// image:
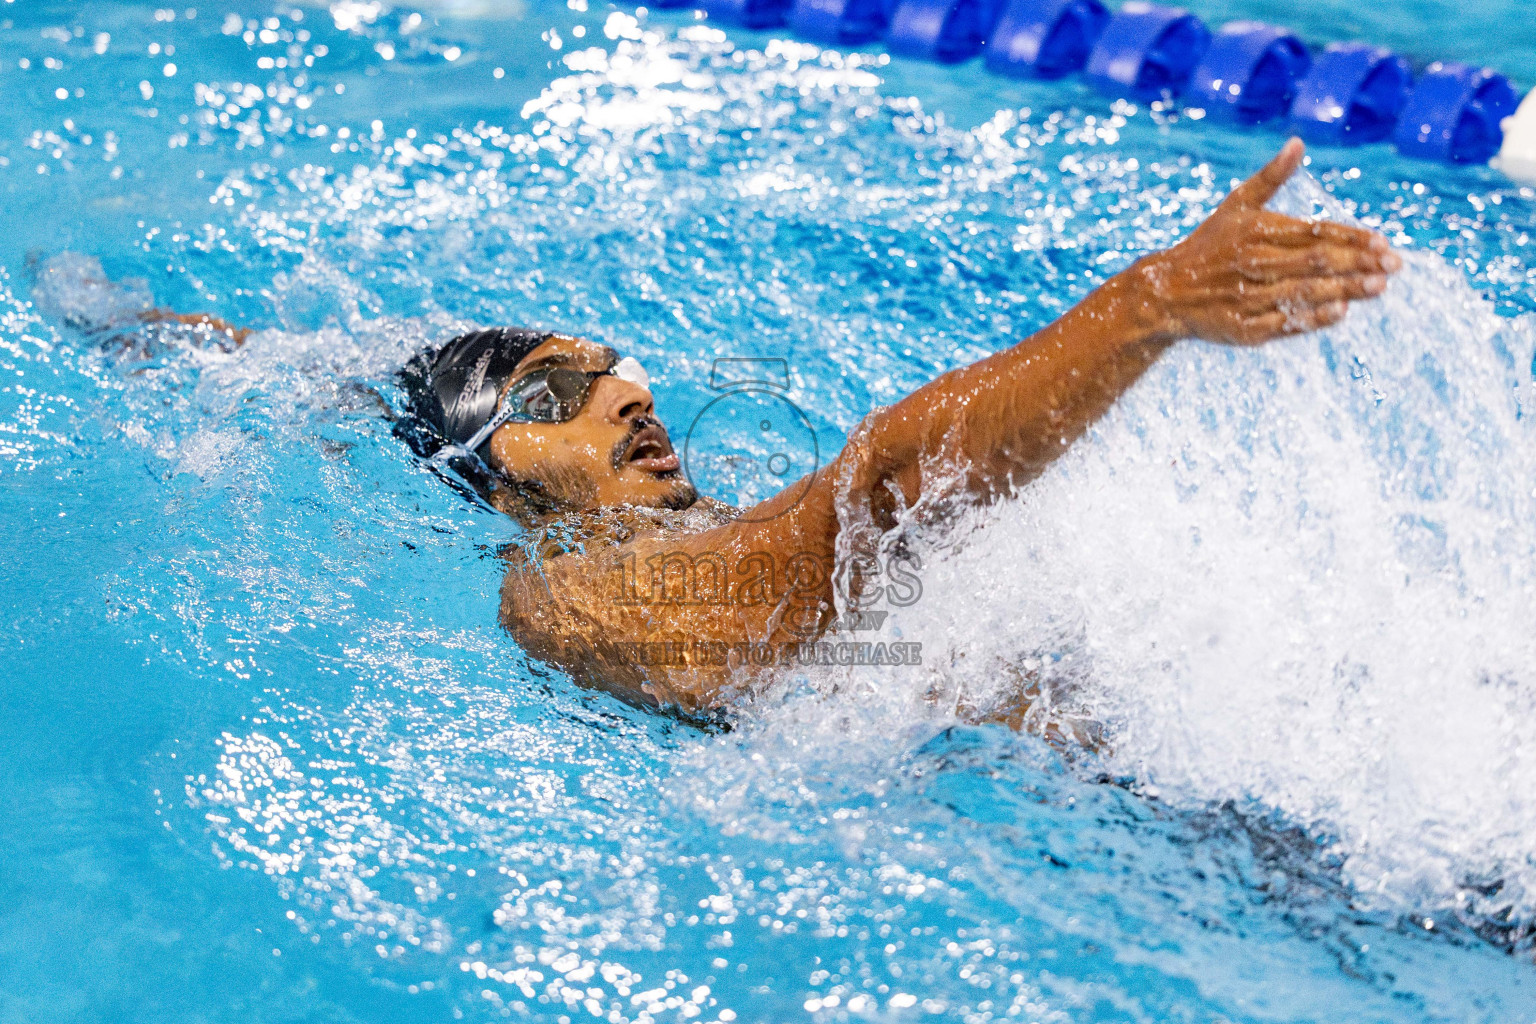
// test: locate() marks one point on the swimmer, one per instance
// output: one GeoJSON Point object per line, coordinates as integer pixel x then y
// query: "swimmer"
{"type": "Point", "coordinates": [640, 586]}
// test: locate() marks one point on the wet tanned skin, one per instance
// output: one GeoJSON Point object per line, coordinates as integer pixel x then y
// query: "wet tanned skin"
{"type": "Point", "coordinates": [1244, 277]}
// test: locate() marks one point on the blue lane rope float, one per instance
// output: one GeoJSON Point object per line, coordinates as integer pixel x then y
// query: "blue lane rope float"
{"type": "Point", "coordinates": [947, 31]}
{"type": "Point", "coordinates": [1147, 52]}
{"type": "Point", "coordinates": [1353, 95]}
{"type": "Point", "coordinates": [1248, 72]}
{"type": "Point", "coordinates": [748, 13]}
{"type": "Point", "coordinates": [841, 21]}
{"type": "Point", "coordinates": [1045, 38]}
{"type": "Point", "coordinates": [1454, 114]}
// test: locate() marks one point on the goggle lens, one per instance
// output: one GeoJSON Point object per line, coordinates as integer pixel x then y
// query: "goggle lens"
{"type": "Point", "coordinates": [568, 386]}
{"type": "Point", "coordinates": [557, 395]}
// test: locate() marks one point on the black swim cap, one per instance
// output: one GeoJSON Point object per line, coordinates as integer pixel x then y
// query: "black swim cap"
{"type": "Point", "coordinates": [451, 391]}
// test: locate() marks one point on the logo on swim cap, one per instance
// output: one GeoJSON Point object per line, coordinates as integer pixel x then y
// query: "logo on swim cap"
{"type": "Point", "coordinates": [473, 385]}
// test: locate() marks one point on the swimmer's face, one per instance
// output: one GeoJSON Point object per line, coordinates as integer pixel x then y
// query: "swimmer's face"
{"type": "Point", "coordinates": [612, 452]}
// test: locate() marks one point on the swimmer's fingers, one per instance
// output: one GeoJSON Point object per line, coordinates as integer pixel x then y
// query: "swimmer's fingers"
{"type": "Point", "coordinates": [1276, 263]}
{"type": "Point", "coordinates": [1247, 298]}
{"type": "Point", "coordinates": [1255, 330]}
{"type": "Point", "coordinates": [1261, 188]}
{"type": "Point", "coordinates": [1278, 229]}
{"type": "Point", "coordinates": [1309, 292]}
{"type": "Point", "coordinates": [1248, 274]}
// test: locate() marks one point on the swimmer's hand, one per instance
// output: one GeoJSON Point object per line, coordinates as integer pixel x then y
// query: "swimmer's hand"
{"type": "Point", "coordinates": [1248, 275]}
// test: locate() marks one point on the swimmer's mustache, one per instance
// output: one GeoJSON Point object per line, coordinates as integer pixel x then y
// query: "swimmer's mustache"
{"type": "Point", "coordinates": [620, 454]}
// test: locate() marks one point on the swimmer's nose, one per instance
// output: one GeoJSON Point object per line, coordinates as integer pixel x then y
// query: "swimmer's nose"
{"type": "Point", "coordinates": [621, 401]}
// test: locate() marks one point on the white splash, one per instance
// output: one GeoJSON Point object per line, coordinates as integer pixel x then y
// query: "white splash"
{"type": "Point", "coordinates": [75, 289]}
{"type": "Point", "coordinates": [1302, 577]}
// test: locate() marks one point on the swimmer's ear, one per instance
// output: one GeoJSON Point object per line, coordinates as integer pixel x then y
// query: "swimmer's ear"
{"type": "Point", "coordinates": [1261, 188]}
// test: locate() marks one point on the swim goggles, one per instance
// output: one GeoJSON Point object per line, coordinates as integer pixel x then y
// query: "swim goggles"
{"type": "Point", "coordinates": [553, 394]}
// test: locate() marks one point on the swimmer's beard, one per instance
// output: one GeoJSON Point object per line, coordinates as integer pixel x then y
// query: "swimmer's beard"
{"type": "Point", "coordinates": [685, 495]}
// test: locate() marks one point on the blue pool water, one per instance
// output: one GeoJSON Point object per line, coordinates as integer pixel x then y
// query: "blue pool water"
{"type": "Point", "coordinates": [266, 755]}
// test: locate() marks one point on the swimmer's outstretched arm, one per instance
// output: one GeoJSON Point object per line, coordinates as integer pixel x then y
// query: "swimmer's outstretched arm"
{"type": "Point", "coordinates": [1243, 277]}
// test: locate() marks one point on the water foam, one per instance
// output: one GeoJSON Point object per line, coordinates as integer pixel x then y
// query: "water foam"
{"type": "Point", "coordinates": [1301, 579]}
{"type": "Point", "coordinates": [1295, 577]}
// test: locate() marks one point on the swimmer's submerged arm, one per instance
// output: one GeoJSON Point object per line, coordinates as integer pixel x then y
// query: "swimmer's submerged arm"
{"type": "Point", "coordinates": [1243, 277]}
{"type": "Point", "coordinates": [206, 321]}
